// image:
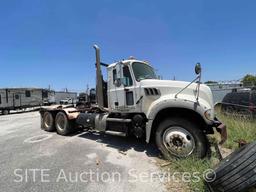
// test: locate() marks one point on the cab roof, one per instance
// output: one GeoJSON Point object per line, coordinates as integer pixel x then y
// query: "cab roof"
{"type": "Point", "coordinates": [127, 61]}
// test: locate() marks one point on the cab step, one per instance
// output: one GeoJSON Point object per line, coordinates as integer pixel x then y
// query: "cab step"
{"type": "Point", "coordinates": [119, 120]}
{"type": "Point", "coordinates": [116, 133]}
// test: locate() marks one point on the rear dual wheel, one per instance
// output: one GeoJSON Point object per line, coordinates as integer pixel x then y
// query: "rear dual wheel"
{"type": "Point", "coordinates": [60, 123]}
{"type": "Point", "coordinates": [48, 122]}
{"type": "Point", "coordinates": [63, 125]}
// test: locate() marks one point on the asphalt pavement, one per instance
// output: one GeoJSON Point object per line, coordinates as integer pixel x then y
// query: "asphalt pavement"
{"type": "Point", "coordinates": [34, 160]}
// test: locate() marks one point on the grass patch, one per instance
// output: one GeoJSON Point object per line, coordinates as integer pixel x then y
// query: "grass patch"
{"type": "Point", "coordinates": [238, 128]}
{"type": "Point", "coordinates": [195, 167]}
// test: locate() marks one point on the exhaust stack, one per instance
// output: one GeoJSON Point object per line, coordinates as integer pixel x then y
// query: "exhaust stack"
{"type": "Point", "coordinates": [99, 79]}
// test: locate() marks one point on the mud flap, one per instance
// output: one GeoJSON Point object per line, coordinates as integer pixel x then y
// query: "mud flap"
{"type": "Point", "coordinates": [222, 129]}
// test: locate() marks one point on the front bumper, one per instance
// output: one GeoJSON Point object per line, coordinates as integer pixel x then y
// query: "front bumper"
{"type": "Point", "coordinates": [221, 128]}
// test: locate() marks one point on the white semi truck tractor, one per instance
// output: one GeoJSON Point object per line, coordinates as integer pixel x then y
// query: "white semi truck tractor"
{"type": "Point", "coordinates": [176, 115]}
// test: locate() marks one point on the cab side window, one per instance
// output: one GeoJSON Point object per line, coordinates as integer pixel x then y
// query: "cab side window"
{"type": "Point", "coordinates": [127, 77]}
{"type": "Point", "coordinates": [114, 76]}
{"type": "Point", "coordinates": [28, 93]}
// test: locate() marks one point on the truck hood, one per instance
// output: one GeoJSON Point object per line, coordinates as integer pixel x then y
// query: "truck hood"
{"type": "Point", "coordinates": [171, 88]}
{"type": "Point", "coordinates": [165, 83]}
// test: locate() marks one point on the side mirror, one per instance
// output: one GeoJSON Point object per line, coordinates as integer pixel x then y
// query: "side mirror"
{"type": "Point", "coordinates": [198, 68]}
{"type": "Point", "coordinates": [118, 82]}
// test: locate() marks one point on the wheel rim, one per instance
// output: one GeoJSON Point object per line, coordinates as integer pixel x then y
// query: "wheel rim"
{"type": "Point", "coordinates": [47, 120]}
{"type": "Point", "coordinates": [178, 141]}
{"type": "Point", "coordinates": [5, 112]}
{"type": "Point", "coordinates": [61, 121]}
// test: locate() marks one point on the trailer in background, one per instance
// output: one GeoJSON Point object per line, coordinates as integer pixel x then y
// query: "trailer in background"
{"type": "Point", "coordinates": [22, 98]}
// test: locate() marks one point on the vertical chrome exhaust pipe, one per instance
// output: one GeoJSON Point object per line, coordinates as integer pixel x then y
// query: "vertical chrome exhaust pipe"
{"type": "Point", "coordinates": [99, 78]}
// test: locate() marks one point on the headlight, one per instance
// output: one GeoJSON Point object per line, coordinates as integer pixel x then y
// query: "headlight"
{"type": "Point", "coordinates": [208, 114]}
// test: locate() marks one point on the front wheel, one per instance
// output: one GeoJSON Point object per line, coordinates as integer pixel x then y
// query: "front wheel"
{"type": "Point", "coordinates": [179, 137]}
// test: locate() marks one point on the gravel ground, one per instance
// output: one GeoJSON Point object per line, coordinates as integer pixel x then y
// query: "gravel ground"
{"type": "Point", "coordinates": [34, 160]}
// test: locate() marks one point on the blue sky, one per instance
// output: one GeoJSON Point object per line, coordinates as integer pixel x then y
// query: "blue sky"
{"type": "Point", "coordinates": [46, 42]}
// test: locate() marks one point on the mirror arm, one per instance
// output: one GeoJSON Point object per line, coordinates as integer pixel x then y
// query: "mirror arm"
{"type": "Point", "coordinates": [198, 77]}
{"type": "Point", "coordinates": [198, 71]}
{"type": "Point", "coordinates": [198, 85]}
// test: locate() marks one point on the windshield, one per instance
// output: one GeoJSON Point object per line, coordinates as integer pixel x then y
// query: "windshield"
{"type": "Point", "coordinates": [143, 71]}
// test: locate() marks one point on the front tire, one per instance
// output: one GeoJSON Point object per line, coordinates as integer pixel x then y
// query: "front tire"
{"type": "Point", "coordinates": [63, 124]}
{"type": "Point", "coordinates": [179, 137]}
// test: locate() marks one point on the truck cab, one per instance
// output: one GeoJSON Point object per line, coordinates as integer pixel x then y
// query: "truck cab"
{"type": "Point", "coordinates": [176, 115]}
{"type": "Point", "coordinates": [124, 85]}
{"type": "Point", "coordinates": [133, 87]}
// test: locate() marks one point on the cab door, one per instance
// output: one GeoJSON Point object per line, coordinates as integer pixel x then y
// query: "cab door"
{"type": "Point", "coordinates": [16, 99]}
{"type": "Point", "coordinates": [121, 89]}
{"type": "Point", "coordinates": [129, 88]}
